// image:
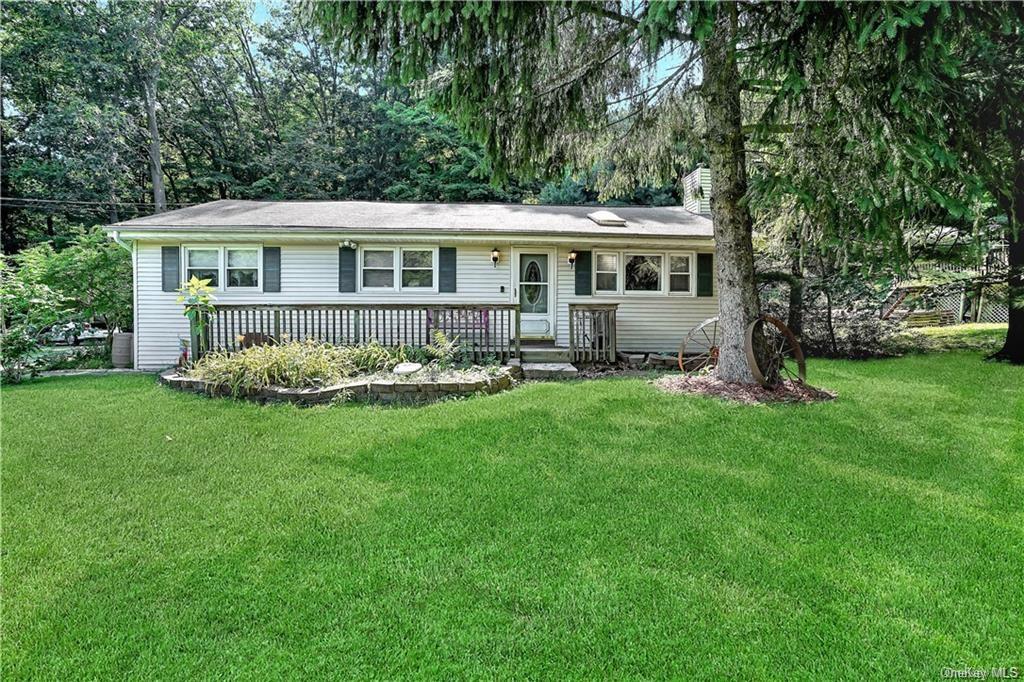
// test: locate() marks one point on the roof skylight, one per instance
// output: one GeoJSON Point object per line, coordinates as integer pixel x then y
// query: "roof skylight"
{"type": "Point", "coordinates": [607, 219]}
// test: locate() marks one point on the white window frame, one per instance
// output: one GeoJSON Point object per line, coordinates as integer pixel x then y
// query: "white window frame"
{"type": "Point", "coordinates": [222, 264]}
{"type": "Point", "coordinates": [433, 289]}
{"type": "Point", "coordinates": [396, 280]}
{"type": "Point", "coordinates": [394, 267]}
{"type": "Point", "coordinates": [662, 281]}
{"type": "Point", "coordinates": [618, 274]}
{"type": "Point", "coordinates": [185, 276]}
{"type": "Point", "coordinates": [259, 265]}
{"type": "Point", "coordinates": [692, 291]}
{"type": "Point", "coordinates": [666, 272]}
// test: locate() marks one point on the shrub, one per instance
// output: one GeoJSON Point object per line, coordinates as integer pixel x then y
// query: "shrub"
{"type": "Point", "coordinates": [17, 346]}
{"type": "Point", "coordinates": [93, 356]}
{"type": "Point", "coordinates": [858, 333]}
{"type": "Point", "coordinates": [373, 357]}
{"type": "Point", "coordinates": [296, 364]}
{"type": "Point", "coordinates": [441, 349]}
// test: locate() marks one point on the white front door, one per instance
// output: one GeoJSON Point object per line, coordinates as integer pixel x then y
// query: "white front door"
{"type": "Point", "coordinates": [534, 292]}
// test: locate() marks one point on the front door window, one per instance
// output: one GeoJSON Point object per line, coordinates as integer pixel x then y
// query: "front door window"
{"type": "Point", "coordinates": [533, 283]}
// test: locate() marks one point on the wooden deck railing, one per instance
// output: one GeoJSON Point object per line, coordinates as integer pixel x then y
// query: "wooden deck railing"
{"type": "Point", "coordinates": [489, 330]}
{"type": "Point", "coordinates": [592, 332]}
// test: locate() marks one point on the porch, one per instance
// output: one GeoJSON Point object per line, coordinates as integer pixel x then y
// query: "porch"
{"type": "Point", "coordinates": [486, 331]}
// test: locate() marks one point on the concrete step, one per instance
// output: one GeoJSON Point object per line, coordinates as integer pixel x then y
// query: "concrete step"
{"type": "Point", "coordinates": [549, 370]}
{"type": "Point", "coordinates": [544, 354]}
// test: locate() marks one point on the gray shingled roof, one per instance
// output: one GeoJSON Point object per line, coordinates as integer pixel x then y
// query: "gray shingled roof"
{"type": "Point", "coordinates": [305, 216]}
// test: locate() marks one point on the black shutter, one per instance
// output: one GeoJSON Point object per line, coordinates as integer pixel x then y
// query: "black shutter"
{"type": "Point", "coordinates": [583, 268]}
{"type": "Point", "coordinates": [170, 268]}
{"type": "Point", "coordinates": [272, 269]}
{"type": "Point", "coordinates": [346, 269]}
{"type": "Point", "coordinates": [705, 274]}
{"type": "Point", "coordinates": [446, 273]}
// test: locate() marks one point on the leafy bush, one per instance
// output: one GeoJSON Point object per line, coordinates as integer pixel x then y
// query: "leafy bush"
{"type": "Point", "coordinates": [17, 345]}
{"type": "Point", "coordinates": [442, 350]}
{"type": "Point", "coordinates": [373, 357]}
{"type": "Point", "coordinates": [86, 278]}
{"type": "Point", "coordinates": [296, 364]}
{"type": "Point", "coordinates": [856, 334]}
{"type": "Point", "coordinates": [28, 306]}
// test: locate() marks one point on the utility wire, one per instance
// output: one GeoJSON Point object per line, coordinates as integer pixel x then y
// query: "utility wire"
{"type": "Point", "coordinates": [75, 202]}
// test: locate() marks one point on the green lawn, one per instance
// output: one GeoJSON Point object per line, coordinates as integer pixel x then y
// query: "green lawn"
{"type": "Point", "coordinates": [586, 529]}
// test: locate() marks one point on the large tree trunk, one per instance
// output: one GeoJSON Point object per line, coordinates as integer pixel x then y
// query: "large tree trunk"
{"type": "Point", "coordinates": [1013, 348]}
{"type": "Point", "coordinates": [738, 300]}
{"type": "Point", "coordinates": [156, 169]}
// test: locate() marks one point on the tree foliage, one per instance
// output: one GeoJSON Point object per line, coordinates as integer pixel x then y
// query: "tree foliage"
{"type": "Point", "coordinates": [243, 109]}
{"type": "Point", "coordinates": [887, 124]}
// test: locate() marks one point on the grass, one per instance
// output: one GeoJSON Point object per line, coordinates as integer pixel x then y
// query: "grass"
{"type": "Point", "coordinates": [585, 529]}
{"type": "Point", "coordinates": [982, 337]}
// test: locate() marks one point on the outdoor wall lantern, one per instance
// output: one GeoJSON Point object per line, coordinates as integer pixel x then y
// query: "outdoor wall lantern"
{"type": "Point", "coordinates": [572, 258]}
{"type": "Point", "coordinates": [494, 256]}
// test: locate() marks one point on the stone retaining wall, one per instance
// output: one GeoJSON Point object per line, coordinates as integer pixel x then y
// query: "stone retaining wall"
{"type": "Point", "coordinates": [376, 390]}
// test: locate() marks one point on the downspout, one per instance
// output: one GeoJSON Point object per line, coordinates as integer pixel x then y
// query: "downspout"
{"type": "Point", "coordinates": [116, 236]}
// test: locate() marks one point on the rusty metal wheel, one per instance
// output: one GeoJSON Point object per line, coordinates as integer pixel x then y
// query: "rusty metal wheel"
{"type": "Point", "coordinates": [699, 350]}
{"type": "Point", "coordinates": [784, 358]}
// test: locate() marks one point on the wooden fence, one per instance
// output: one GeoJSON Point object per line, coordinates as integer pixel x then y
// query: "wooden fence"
{"type": "Point", "coordinates": [592, 333]}
{"type": "Point", "coordinates": [483, 330]}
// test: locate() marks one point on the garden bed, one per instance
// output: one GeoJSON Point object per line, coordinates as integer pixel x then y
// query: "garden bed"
{"type": "Point", "coordinates": [421, 387]}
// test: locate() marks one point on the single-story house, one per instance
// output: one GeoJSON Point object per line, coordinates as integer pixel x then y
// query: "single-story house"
{"type": "Point", "coordinates": [500, 276]}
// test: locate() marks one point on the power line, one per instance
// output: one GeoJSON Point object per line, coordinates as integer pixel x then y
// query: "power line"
{"type": "Point", "coordinates": [75, 202]}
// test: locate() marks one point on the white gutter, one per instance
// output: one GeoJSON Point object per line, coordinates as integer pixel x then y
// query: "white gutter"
{"type": "Point", "coordinates": [325, 236]}
{"type": "Point", "coordinates": [116, 236]}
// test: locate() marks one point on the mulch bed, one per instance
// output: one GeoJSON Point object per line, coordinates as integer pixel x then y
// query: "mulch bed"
{"type": "Point", "coordinates": [710, 385]}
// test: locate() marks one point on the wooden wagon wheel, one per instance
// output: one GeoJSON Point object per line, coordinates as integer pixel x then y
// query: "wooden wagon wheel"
{"type": "Point", "coordinates": [702, 344]}
{"type": "Point", "coordinates": [784, 354]}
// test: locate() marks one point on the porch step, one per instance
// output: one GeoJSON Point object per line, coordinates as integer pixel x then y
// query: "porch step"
{"type": "Point", "coordinates": [544, 354]}
{"type": "Point", "coordinates": [549, 370]}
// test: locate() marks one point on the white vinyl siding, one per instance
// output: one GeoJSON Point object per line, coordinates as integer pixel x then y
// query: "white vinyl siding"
{"type": "Point", "coordinates": [309, 274]}
{"type": "Point", "coordinates": [646, 322]}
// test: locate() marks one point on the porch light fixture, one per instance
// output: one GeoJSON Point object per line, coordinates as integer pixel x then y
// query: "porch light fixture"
{"type": "Point", "coordinates": [494, 256]}
{"type": "Point", "coordinates": [572, 258]}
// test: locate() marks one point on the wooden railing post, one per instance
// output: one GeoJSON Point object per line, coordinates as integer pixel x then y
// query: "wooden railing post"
{"type": "Point", "coordinates": [572, 334]}
{"type": "Point", "coordinates": [519, 326]}
{"type": "Point", "coordinates": [613, 350]}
